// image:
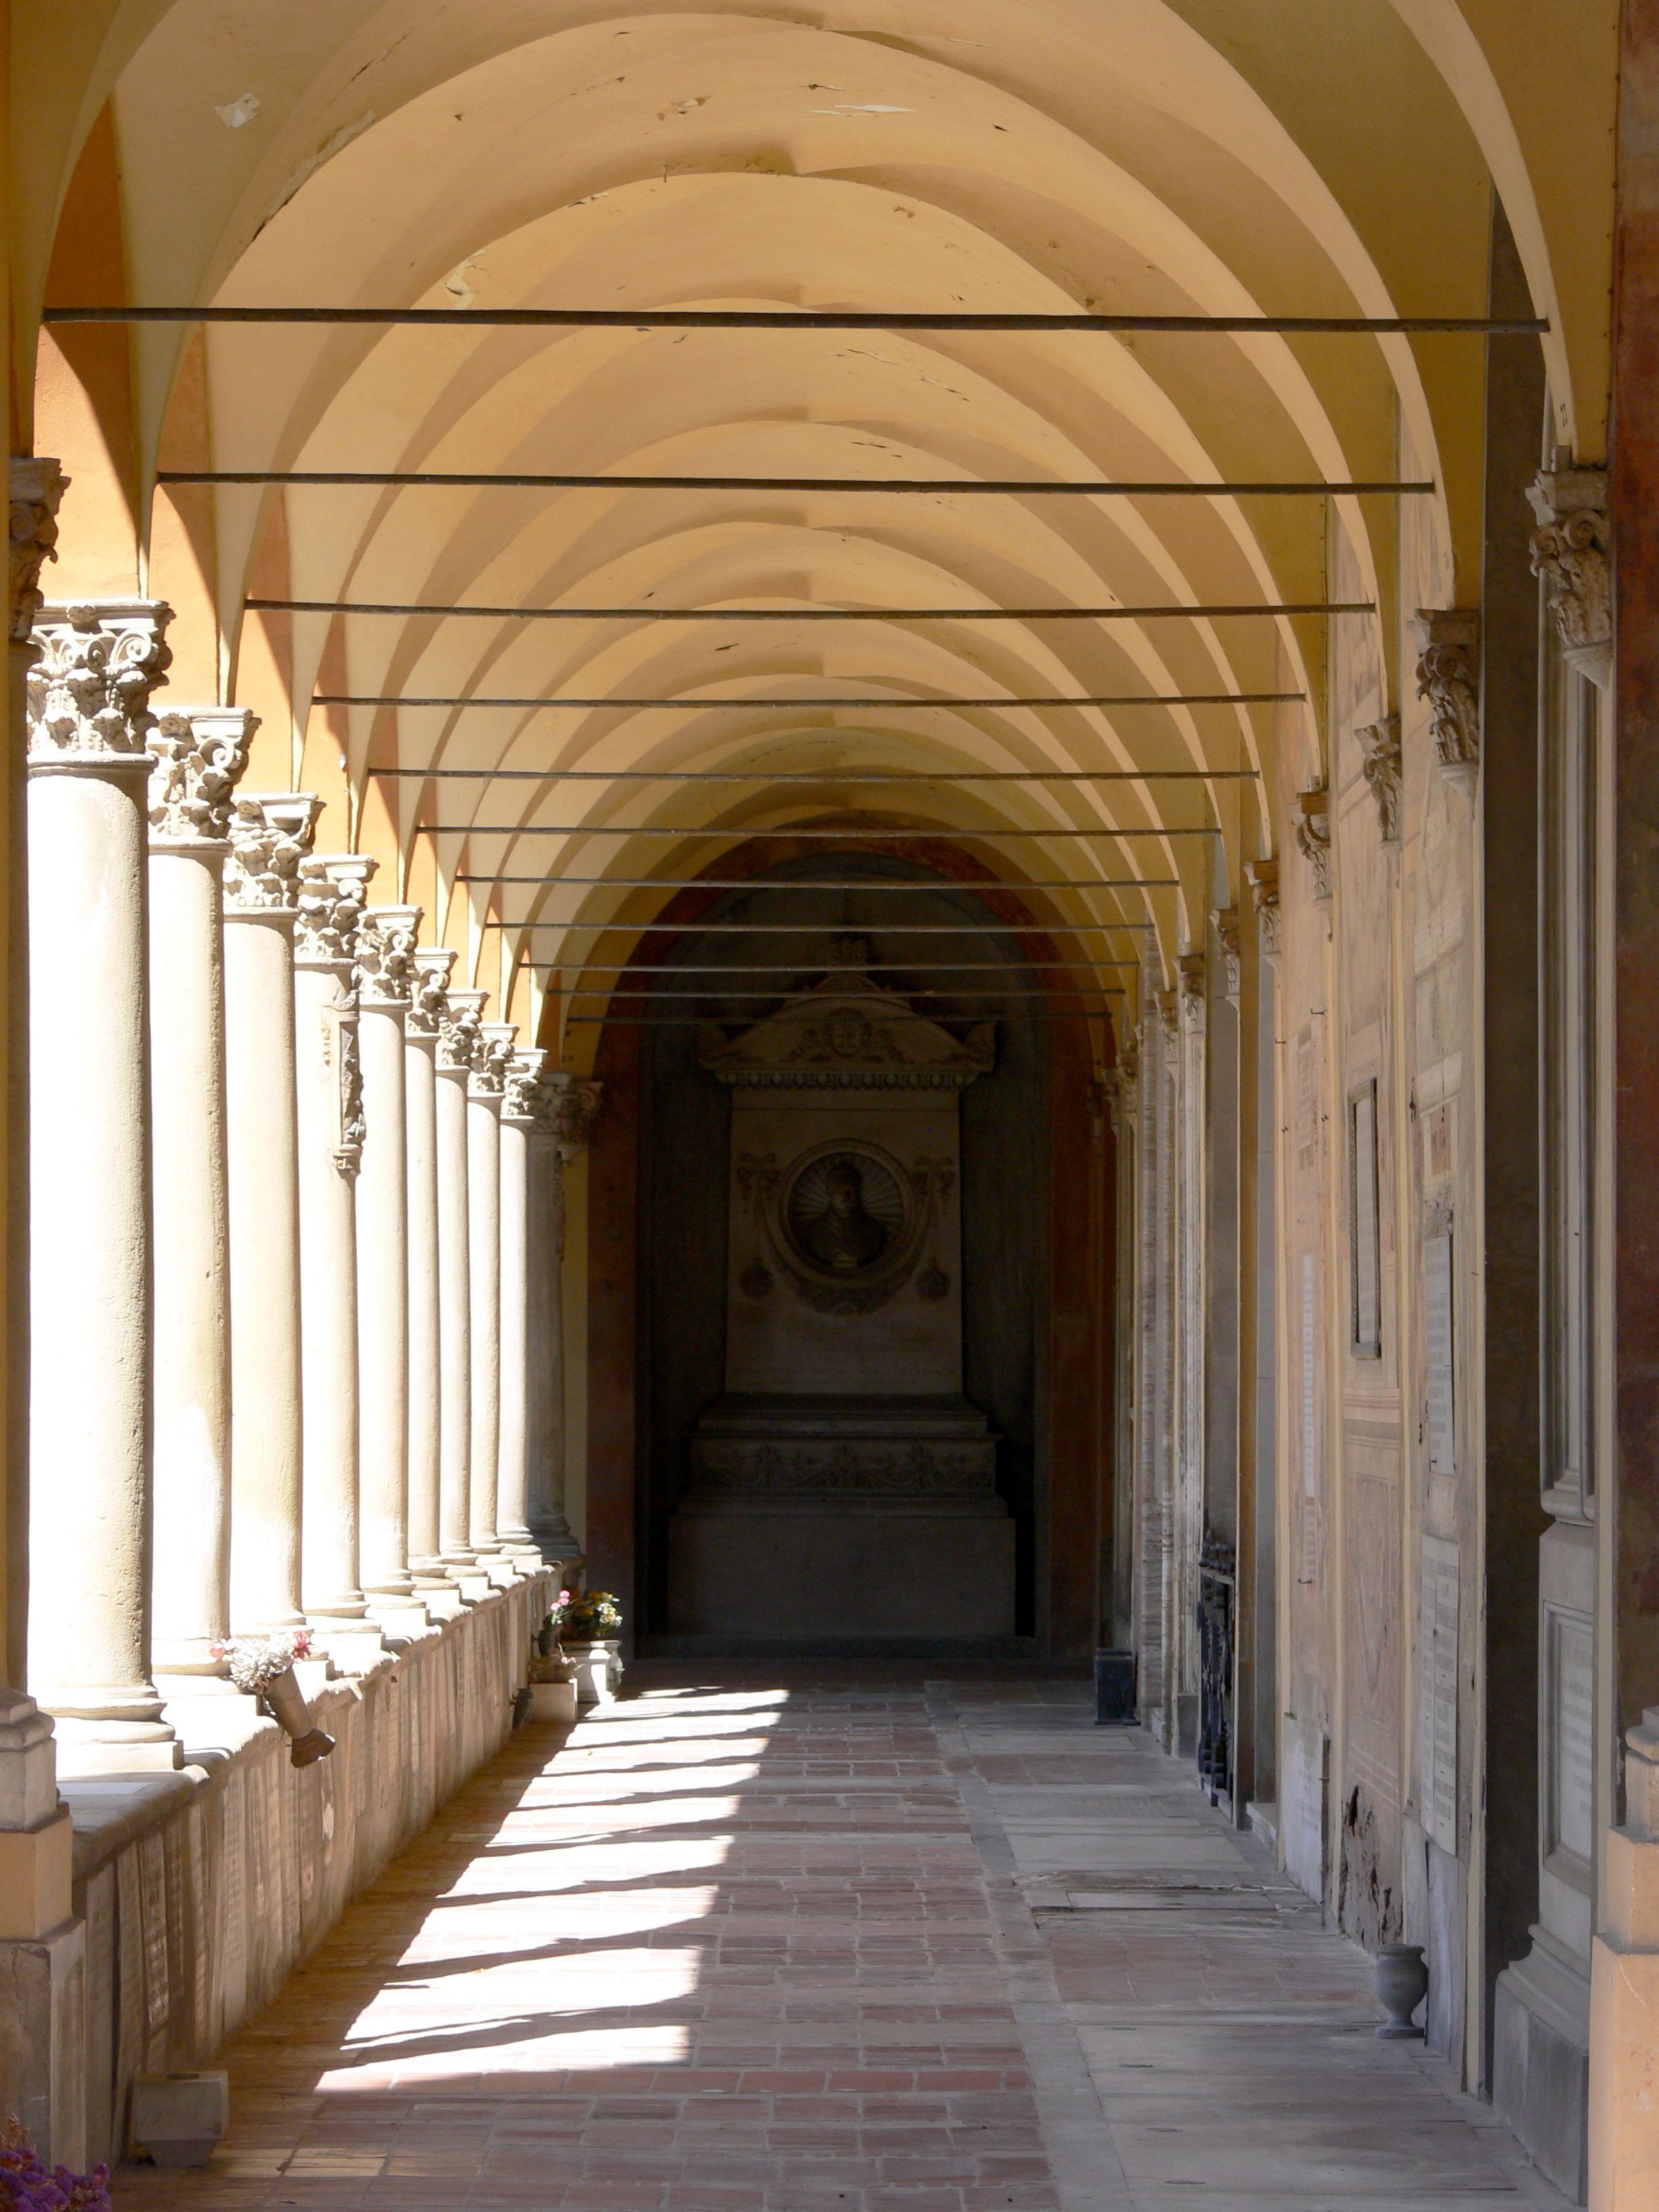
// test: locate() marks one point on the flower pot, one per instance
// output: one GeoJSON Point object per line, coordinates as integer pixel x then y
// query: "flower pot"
{"type": "Point", "coordinates": [547, 1642]}
{"type": "Point", "coordinates": [553, 1701]}
{"type": "Point", "coordinates": [1402, 1982]}
{"type": "Point", "coordinates": [289, 1708]}
{"type": "Point", "coordinates": [597, 1670]}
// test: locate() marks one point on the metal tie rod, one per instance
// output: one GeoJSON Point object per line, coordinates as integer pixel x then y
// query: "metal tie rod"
{"type": "Point", "coordinates": [756, 884]}
{"type": "Point", "coordinates": [992, 927]}
{"type": "Point", "coordinates": [826, 776]}
{"type": "Point", "coordinates": [919, 991]}
{"type": "Point", "coordinates": [712, 705]}
{"type": "Point", "coordinates": [747, 829]}
{"type": "Point", "coordinates": [808, 319]}
{"type": "Point", "coordinates": [421, 608]}
{"type": "Point", "coordinates": [909, 967]}
{"type": "Point", "coordinates": [1023, 487]}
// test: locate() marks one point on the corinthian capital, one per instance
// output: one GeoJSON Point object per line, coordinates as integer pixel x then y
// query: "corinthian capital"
{"type": "Point", "coordinates": [199, 755]}
{"type": "Point", "coordinates": [1569, 551]}
{"type": "Point", "coordinates": [1449, 678]}
{"type": "Point", "coordinates": [491, 1059]}
{"type": "Point", "coordinates": [333, 892]}
{"type": "Point", "coordinates": [270, 834]}
{"type": "Point", "coordinates": [459, 1038]}
{"type": "Point", "coordinates": [1381, 759]}
{"type": "Point", "coordinates": [1313, 836]}
{"type": "Point", "coordinates": [428, 990]}
{"type": "Point", "coordinates": [37, 486]}
{"type": "Point", "coordinates": [524, 1098]}
{"type": "Point", "coordinates": [384, 949]}
{"type": "Point", "coordinates": [1262, 877]}
{"type": "Point", "coordinates": [575, 1113]}
{"type": "Point", "coordinates": [89, 693]}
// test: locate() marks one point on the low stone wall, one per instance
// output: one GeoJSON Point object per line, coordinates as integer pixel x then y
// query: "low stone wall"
{"type": "Point", "coordinates": [201, 1891]}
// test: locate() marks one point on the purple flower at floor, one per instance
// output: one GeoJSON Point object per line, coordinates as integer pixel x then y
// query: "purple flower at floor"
{"type": "Point", "coordinates": [26, 2184]}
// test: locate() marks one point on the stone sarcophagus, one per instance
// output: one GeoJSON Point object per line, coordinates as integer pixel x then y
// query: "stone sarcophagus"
{"type": "Point", "coordinates": [842, 1486]}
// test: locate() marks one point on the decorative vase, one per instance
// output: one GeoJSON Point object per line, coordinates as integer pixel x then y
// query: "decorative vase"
{"type": "Point", "coordinates": [288, 1708]}
{"type": "Point", "coordinates": [596, 1667]}
{"type": "Point", "coordinates": [547, 1641]}
{"type": "Point", "coordinates": [1402, 1982]}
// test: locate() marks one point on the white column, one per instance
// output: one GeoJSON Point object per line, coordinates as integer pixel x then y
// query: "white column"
{"type": "Point", "coordinates": [200, 753]}
{"type": "Point", "coordinates": [331, 1132]}
{"type": "Point", "coordinates": [89, 1183]}
{"type": "Point", "coordinates": [569, 1110]}
{"type": "Point", "coordinates": [483, 1208]}
{"type": "Point", "coordinates": [426, 1004]}
{"type": "Point", "coordinates": [523, 1110]}
{"type": "Point", "coordinates": [384, 945]}
{"type": "Point", "coordinates": [458, 1041]}
{"type": "Point", "coordinates": [270, 836]}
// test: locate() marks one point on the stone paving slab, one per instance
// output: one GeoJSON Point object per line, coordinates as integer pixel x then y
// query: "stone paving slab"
{"type": "Point", "coordinates": [803, 1943]}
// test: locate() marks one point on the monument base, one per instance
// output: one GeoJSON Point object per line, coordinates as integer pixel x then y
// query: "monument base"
{"type": "Point", "coordinates": [823, 1517]}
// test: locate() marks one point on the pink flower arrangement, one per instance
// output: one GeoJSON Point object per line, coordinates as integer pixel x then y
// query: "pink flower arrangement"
{"type": "Point", "coordinates": [26, 2184]}
{"type": "Point", "coordinates": [254, 1666]}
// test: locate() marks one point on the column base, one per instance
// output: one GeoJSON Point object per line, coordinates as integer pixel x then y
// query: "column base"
{"type": "Point", "coordinates": [352, 1647]}
{"type": "Point", "coordinates": [400, 1616]}
{"type": "Point", "coordinates": [1540, 2059]}
{"type": "Point", "coordinates": [89, 1746]}
{"type": "Point", "coordinates": [556, 1539]}
{"type": "Point", "coordinates": [444, 1603]}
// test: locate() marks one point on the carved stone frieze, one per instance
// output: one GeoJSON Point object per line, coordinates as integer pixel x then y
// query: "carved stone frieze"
{"type": "Point", "coordinates": [428, 990]}
{"type": "Point", "coordinates": [271, 835]}
{"type": "Point", "coordinates": [1380, 761]}
{"type": "Point", "coordinates": [199, 755]}
{"type": "Point", "coordinates": [1449, 678]}
{"type": "Point", "coordinates": [491, 1059]}
{"type": "Point", "coordinates": [1571, 550]}
{"type": "Point", "coordinates": [38, 485]}
{"type": "Point", "coordinates": [526, 1098]}
{"type": "Point", "coordinates": [384, 954]}
{"type": "Point", "coordinates": [837, 1465]}
{"type": "Point", "coordinates": [849, 1029]}
{"type": "Point", "coordinates": [1227, 937]}
{"type": "Point", "coordinates": [1313, 836]}
{"type": "Point", "coordinates": [459, 1038]}
{"type": "Point", "coordinates": [88, 692]}
{"type": "Point", "coordinates": [1262, 877]}
{"type": "Point", "coordinates": [333, 892]}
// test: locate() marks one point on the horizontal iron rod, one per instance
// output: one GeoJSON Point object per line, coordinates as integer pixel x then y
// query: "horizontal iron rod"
{"type": "Point", "coordinates": [419, 607]}
{"type": "Point", "coordinates": [853, 883]}
{"type": "Point", "coordinates": [910, 967]}
{"type": "Point", "coordinates": [696, 1021]}
{"type": "Point", "coordinates": [991, 927]}
{"type": "Point", "coordinates": [920, 991]}
{"type": "Point", "coordinates": [712, 705]}
{"type": "Point", "coordinates": [810, 318]}
{"type": "Point", "coordinates": [823, 776]}
{"type": "Point", "coordinates": [742, 830]}
{"type": "Point", "coordinates": [1023, 487]}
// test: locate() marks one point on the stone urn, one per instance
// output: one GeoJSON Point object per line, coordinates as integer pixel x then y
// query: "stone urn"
{"type": "Point", "coordinates": [285, 1702]}
{"type": "Point", "coordinates": [596, 1667]}
{"type": "Point", "coordinates": [1402, 1982]}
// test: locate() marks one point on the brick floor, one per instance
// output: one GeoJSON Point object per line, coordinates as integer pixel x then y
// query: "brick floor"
{"type": "Point", "coordinates": [789, 1944]}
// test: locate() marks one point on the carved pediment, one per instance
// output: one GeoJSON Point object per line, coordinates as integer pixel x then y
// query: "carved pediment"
{"type": "Point", "coordinates": [846, 1031]}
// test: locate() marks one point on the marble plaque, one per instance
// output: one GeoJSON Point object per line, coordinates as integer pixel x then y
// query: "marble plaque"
{"type": "Point", "coordinates": [1437, 1329]}
{"type": "Point", "coordinates": [1571, 1684]}
{"type": "Point", "coordinates": [1437, 1683]}
{"type": "Point", "coordinates": [1309, 1408]}
{"type": "Point", "coordinates": [1366, 1318]}
{"type": "Point", "coordinates": [1304, 1095]}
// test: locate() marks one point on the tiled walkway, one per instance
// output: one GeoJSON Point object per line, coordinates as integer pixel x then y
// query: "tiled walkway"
{"type": "Point", "coordinates": [837, 1947]}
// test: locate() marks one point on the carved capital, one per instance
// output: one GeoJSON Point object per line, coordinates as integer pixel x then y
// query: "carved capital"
{"type": "Point", "coordinates": [1168, 1015]}
{"type": "Point", "coordinates": [491, 1059]}
{"type": "Point", "coordinates": [1571, 551]}
{"type": "Point", "coordinates": [1190, 978]}
{"type": "Point", "coordinates": [1449, 678]}
{"type": "Point", "coordinates": [199, 755]}
{"type": "Point", "coordinates": [575, 1113]}
{"type": "Point", "coordinates": [524, 1098]}
{"type": "Point", "coordinates": [1262, 877]}
{"type": "Point", "coordinates": [384, 954]}
{"type": "Point", "coordinates": [89, 693]}
{"type": "Point", "coordinates": [1225, 919]}
{"type": "Point", "coordinates": [270, 834]}
{"type": "Point", "coordinates": [38, 486]}
{"type": "Point", "coordinates": [1313, 836]}
{"type": "Point", "coordinates": [428, 993]}
{"type": "Point", "coordinates": [1380, 760]}
{"type": "Point", "coordinates": [459, 1038]}
{"type": "Point", "coordinates": [333, 892]}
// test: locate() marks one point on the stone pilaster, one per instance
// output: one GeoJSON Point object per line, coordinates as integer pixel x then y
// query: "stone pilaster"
{"type": "Point", "coordinates": [1226, 919]}
{"type": "Point", "coordinates": [1380, 761]}
{"type": "Point", "coordinates": [429, 1002]}
{"type": "Point", "coordinates": [199, 754]}
{"type": "Point", "coordinates": [571, 1108]}
{"type": "Point", "coordinates": [458, 1043]}
{"type": "Point", "coordinates": [89, 724]}
{"type": "Point", "coordinates": [523, 1113]}
{"type": "Point", "coordinates": [1262, 877]}
{"type": "Point", "coordinates": [1449, 678]}
{"type": "Point", "coordinates": [1624, 2121]}
{"type": "Point", "coordinates": [483, 1188]}
{"type": "Point", "coordinates": [331, 1132]}
{"type": "Point", "coordinates": [1312, 826]}
{"type": "Point", "coordinates": [271, 835]}
{"type": "Point", "coordinates": [384, 948]}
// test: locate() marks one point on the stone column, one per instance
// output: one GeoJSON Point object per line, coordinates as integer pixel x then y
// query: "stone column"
{"type": "Point", "coordinates": [89, 723]}
{"type": "Point", "coordinates": [270, 837]}
{"type": "Point", "coordinates": [522, 1111]}
{"type": "Point", "coordinates": [484, 1203]}
{"type": "Point", "coordinates": [385, 948]}
{"type": "Point", "coordinates": [570, 1110]}
{"type": "Point", "coordinates": [458, 1041]}
{"type": "Point", "coordinates": [427, 1001]}
{"type": "Point", "coordinates": [200, 753]}
{"type": "Point", "coordinates": [331, 1132]}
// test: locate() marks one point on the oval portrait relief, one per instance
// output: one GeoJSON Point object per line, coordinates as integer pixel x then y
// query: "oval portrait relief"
{"type": "Point", "coordinates": [845, 1212]}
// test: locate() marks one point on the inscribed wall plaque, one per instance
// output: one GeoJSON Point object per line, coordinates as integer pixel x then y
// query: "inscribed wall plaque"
{"type": "Point", "coordinates": [1569, 1650]}
{"type": "Point", "coordinates": [1365, 1261]}
{"type": "Point", "coordinates": [1437, 1685]}
{"type": "Point", "coordinates": [1437, 1329]}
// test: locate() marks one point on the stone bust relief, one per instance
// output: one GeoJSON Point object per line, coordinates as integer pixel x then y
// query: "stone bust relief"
{"type": "Point", "coordinates": [844, 1236]}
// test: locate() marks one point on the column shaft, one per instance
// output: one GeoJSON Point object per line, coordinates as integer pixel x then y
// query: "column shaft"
{"type": "Point", "coordinates": [457, 1042]}
{"type": "Point", "coordinates": [425, 1334]}
{"type": "Point", "coordinates": [483, 1109]}
{"type": "Point", "coordinates": [520, 1110]}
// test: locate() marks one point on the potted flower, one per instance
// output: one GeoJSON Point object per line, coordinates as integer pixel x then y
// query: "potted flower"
{"type": "Point", "coordinates": [27, 2186]}
{"type": "Point", "coordinates": [589, 1635]}
{"type": "Point", "coordinates": [265, 1670]}
{"type": "Point", "coordinates": [552, 1691]}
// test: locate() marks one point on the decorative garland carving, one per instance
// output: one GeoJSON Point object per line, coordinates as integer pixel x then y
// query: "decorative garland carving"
{"type": "Point", "coordinates": [1313, 836]}
{"type": "Point", "coordinates": [1381, 759]}
{"type": "Point", "coordinates": [1227, 937]}
{"type": "Point", "coordinates": [38, 485]}
{"type": "Point", "coordinates": [1262, 877]}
